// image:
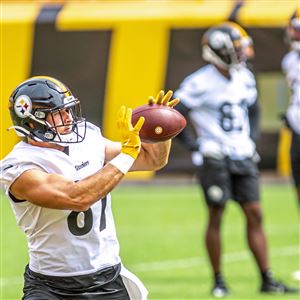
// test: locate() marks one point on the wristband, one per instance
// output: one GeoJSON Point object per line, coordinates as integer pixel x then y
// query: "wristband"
{"type": "Point", "coordinates": [123, 162]}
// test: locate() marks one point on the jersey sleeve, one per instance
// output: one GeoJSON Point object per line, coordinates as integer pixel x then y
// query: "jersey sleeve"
{"type": "Point", "coordinates": [190, 91]}
{"type": "Point", "coordinates": [11, 169]}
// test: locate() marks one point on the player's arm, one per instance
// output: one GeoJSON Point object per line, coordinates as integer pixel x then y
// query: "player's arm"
{"type": "Point", "coordinates": [187, 136]}
{"type": "Point", "coordinates": [56, 191]}
{"type": "Point", "coordinates": [254, 119]}
{"type": "Point", "coordinates": [151, 157]}
{"type": "Point", "coordinates": [253, 105]}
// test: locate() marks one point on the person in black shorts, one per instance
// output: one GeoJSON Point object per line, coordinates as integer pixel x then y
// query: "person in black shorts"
{"type": "Point", "coordinates": [220, 102]}
{"type": "Point", "coordinates": [291, 69]}
{"type": "Point", "coordinates": [295, 162]}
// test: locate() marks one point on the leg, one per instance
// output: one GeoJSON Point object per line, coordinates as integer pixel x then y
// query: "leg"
{"type": "Point", "coordinates": [212, 236]}
{"type": "Point", "coordinates": [295, 163]}
{"type": "Point", "coordinates": [214, 249]}
{"type": "Point", "coordinates": [246, 193]}
{"type": "Point", "coordinates": [215, 181]}
{"type": "Point", "coordinates": [258, 245]}
{"type": "Point", "coordinates": [298, 194]}
{"type": "Point", "coordinates": [216, 184]}
{"type": "Point", "coordinates": [255, 234]}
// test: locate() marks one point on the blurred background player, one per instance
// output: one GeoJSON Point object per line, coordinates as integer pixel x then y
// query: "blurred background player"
{"type": "Point", "coordinates": [291, 68]}
{"type": "Point", "coordinates": [220, 101]}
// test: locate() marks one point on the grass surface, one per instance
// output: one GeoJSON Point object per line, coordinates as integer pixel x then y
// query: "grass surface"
{"type": "Point", "coordinates": [161, 228]}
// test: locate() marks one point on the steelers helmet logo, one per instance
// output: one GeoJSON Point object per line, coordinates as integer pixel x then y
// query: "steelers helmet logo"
{"type": "Point", "coordinates": [217, 39]}
{"type": "Point", "coordinates": [158, 130]}
{"type": "Point", "coordinates": [22, 106]}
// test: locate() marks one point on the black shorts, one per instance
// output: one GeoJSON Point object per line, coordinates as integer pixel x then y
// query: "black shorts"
{"type": "Point", "coordinates": [224, 179]}
{"type": "Point", "coordinates": [106, 284]}
{"type": "Point", "coordinates": [295, 158]}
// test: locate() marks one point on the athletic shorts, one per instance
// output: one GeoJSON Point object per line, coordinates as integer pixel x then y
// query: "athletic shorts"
{"type": "Point", "coordinates": [114, 282]}
{"type": "Point", "coordinates": [295, 158]}
{"type": "Point", "coordinates": [224, 179]}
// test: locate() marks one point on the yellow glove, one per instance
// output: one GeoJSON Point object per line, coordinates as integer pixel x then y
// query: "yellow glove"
{"type": "Point", "coordinates": [130, 139]}
{"type": "Point", "coordinates": [164, 99]}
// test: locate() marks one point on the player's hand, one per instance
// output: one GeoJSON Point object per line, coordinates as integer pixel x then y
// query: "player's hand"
{"type": "Point", "coordinates": [130, 139]}
{"type": "Point", "coordinates": [164, 99]}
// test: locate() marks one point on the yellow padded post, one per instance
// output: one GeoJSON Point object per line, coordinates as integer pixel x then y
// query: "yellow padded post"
{"type": "Point", "coordinates": [283, 154]}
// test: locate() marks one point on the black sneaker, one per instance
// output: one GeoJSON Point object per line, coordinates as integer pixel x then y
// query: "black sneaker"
{"type": "Point", "coordinates": [220, 290]}
{"type": "Point", "coordinates": [276, 287]}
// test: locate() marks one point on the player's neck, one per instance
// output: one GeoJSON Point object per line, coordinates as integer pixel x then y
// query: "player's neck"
{"type": "Point", "coordinates": [45, 145]}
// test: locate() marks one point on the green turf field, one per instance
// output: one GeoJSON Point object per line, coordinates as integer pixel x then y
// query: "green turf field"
{"type": "Point", "coordinates": [161, 229]}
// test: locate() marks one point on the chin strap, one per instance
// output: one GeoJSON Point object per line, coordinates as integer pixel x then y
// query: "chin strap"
{"type": "Point", "coordinates": [22, 132]}
{"type": "Point", "coordinates": [19, 130]}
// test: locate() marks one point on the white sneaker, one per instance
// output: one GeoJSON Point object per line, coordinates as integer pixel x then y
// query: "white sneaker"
{"type": "Point", "coordinates": [220, 291]}
{"type": "Point", "coordinates": [296, 275]}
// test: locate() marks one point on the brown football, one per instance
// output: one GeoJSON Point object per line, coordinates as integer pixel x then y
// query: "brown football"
{"type": "Point", "coordinates": [161, 122]}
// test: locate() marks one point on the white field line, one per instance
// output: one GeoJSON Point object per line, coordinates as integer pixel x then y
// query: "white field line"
{"type": "Point", "coordinates": [198, 261]}
{"type": "Point", "coordinates": [182, 263]}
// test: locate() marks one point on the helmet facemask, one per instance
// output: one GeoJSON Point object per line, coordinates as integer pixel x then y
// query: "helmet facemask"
{"type": "Point", "coordinates": [55, 128]}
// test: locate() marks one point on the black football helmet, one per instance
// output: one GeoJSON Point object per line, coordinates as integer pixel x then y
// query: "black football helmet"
{"type": "Point", "coordinates": [38, 98]}
{"type": "Point", "coordinates": [293, 31]}
{"type": "Point", "coordinates": [224, 45]}
{"type": "Point", "coordinates": [246, 41]}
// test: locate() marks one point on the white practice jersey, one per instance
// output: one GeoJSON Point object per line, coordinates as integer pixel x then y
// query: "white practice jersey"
{"type": "Point", "coordinates": [64, 242]}
{"type": "Point", "coordinates": [291, 68]}
{"type": "Point", "coordinates": [219, 110]}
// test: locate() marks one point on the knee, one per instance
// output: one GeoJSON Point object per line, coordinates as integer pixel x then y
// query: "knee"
{"type": "Point", "coordinates": [254, 216]}
{"type": "Point", "coordinates": [215, 217]}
